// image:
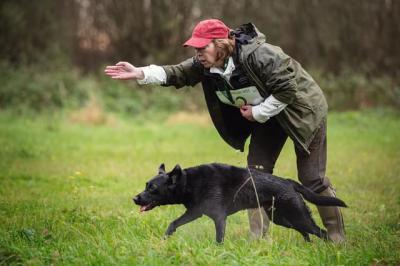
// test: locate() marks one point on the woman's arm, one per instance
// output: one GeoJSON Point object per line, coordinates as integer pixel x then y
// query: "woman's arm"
{"type": "Point", "coordinates": [186, 73]}
{"type": "Point", "coordinates": [267, 109]}
{"type": "Point", "coordinates": [153, 74]}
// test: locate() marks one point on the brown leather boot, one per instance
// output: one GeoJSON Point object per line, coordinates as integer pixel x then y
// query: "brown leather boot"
{"type": "Point", "coordinates": [258, 227]}
{"type": "Point", "coordinates": [332, 219]}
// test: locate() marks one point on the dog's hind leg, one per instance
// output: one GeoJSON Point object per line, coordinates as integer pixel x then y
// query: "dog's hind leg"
{"type": "Point", "coordinates": [187, 217]}
{"type": "Point", "coordinates": [297, 215]}
{"type": "Point", "coordinates": [309, 224]}
{"type": "Point", "coordinates": [315, 230]}
{"type": "Point", "coordinates": [276, 217]}
{"type": "Point", "coordinates": [279, 219]}
{"type": "Point", "coordinates": [306, 228]}
{"type": "Point", "coordinates": [300, 217]}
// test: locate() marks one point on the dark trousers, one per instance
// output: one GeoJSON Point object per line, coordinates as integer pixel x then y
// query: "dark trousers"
{"type": "Point", "coordinates": [266, 143]}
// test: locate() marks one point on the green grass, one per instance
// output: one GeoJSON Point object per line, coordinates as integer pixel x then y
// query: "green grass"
{"type": "Point", "coordinates": [66, 189]}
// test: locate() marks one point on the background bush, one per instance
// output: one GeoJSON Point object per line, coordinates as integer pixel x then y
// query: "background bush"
{"type": "Point", "coordinates": [32, 89]}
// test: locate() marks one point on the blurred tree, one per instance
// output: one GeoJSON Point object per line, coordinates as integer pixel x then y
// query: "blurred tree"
{"type": "Point", "coordinates": [34, 31]}
{"type": "Point", "coordinates": [330, 35]}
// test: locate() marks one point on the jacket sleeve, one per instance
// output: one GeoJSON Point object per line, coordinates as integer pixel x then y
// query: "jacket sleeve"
{"type": "Point", "coordinates": [186, 73]}
{"type": "Point", "coordinates": [277, 71]}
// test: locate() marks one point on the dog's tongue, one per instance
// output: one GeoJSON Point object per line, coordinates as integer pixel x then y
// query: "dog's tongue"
{"type": "Point", "coordinates": [144, 208]}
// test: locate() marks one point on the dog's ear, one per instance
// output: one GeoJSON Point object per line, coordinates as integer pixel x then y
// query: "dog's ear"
{"type": "Point", "coordinates": [175, 174]}
{"type": "Point", "coordinates": [161, 169]}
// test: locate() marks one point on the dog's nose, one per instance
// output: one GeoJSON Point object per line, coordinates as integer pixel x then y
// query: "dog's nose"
{"type": "Point", "coordinates": [136, 199]}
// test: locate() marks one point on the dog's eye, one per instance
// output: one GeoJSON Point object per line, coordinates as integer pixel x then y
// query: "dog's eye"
{"type": "Point", "coordinates": [152, 188]}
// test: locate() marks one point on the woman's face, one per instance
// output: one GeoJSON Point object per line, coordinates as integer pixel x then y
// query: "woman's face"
{"type": "Point", "coordinates": [208, 55]}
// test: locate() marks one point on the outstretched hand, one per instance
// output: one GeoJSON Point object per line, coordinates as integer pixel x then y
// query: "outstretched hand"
{"type": "Point", "coordinates": [124, 70]}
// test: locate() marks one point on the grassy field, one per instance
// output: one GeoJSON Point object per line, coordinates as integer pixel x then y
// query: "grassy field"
{"type": "Point", "coordinates": [66, 189]}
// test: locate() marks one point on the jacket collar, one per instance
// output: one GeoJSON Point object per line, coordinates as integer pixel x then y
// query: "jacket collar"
{"type": "Point", "coordinates": [248, 38]}
{"type": "Point", "coordinates": [227, 72]}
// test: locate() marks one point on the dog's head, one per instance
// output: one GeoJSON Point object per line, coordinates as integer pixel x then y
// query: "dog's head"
{"type": "Point", "coordinates": [161, 189]}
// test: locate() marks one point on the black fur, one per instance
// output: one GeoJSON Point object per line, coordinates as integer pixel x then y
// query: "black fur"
{"type": "Point", "coordinates": [218, 190]}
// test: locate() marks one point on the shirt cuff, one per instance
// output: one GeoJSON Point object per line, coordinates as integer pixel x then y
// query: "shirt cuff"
{"type": "Point", "coordinates": [153, 74]}
{"type": "Point", "coordinates": [265, 110]}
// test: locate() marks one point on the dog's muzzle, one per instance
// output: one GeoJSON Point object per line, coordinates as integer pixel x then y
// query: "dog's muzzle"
{"type": "Point", "coordinates": [136, 199]}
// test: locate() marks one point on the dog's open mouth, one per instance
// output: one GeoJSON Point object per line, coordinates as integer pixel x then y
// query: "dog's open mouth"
{"type": "Point", "coordinates": [147, 207]}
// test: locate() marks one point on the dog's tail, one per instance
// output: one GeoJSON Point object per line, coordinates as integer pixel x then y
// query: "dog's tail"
{"type": "Point", "coordinates": [313, 197]}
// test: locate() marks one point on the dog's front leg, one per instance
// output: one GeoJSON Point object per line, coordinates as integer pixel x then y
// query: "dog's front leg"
{"type": "Point", "coordinates": [187, 217]}
{"type": "Point", "coordinates": [220, 224]}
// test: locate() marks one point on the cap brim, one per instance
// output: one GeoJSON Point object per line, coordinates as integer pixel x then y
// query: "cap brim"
{"type": "Point", "coordinates": [197, 42]}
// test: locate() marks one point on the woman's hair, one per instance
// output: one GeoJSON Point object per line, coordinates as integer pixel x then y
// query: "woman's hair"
{"type": "Point", "coordinates": [225, 47]}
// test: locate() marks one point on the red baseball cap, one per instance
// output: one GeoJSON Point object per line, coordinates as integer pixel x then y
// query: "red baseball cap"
{"type": "Point", "coordinates": [207, 30]}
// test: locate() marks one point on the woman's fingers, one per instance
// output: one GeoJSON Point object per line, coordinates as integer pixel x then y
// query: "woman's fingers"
{"type": "Point", "coordinates": [119, 74]}
{"type": "Point", "coordinates": [123, 76]}
{"type": "Point", "coordinates": [127, 66]}
{"type": "Point", "coordinates": [112, 74]}
{"type": "Point", "coordinates": [113, 67]}
{"type": "Point", "coordinates": [245, 109]}
{"type": "Point", "coordinates": [113, 71]}
{"type": "Point", "coordinates": [122, 63]}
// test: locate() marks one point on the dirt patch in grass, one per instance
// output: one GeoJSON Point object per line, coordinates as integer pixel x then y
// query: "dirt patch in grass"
{"type": "Point", "coordinates": [202, 119]}
{"type": "Point", "coordinates": [92, 114]}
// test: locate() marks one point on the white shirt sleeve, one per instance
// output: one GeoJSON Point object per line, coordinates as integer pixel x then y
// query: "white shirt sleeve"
{"type": "Point", "coordinates": [153, 74]}
{"type": "Point", "coordinates": [265, 110]}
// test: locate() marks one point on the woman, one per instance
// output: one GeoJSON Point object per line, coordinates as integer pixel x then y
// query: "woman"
{"type": "Point", "coordinates": [254, 88]}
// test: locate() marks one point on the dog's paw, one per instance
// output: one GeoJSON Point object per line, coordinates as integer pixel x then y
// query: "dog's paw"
{"type": "Point", "coordinates": [168, 233]}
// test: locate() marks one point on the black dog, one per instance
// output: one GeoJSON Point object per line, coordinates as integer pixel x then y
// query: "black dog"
{"type": "Point", "coordinates": [218, 190]}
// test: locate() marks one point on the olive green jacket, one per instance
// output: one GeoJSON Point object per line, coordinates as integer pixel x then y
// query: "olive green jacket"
{"type": "Point", "coordinates": [273, 73]}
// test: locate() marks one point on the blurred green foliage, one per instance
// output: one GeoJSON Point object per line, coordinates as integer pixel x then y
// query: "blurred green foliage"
{"type": "Point", "coordinates": [354, 90]}
{"type": "Point", "coordinates": [34, 89]}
